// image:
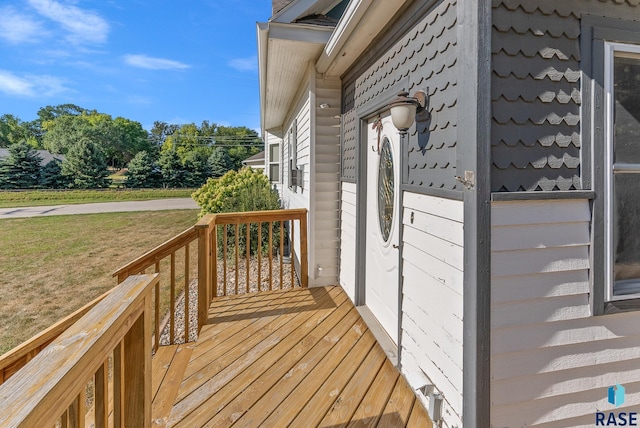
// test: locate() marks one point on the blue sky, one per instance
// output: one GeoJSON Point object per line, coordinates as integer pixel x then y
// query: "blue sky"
{"type": "Point", "coordinates": [145, 60]}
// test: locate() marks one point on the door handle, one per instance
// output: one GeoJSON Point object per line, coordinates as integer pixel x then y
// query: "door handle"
{"type": "Point", "coordinates": [396, 246]}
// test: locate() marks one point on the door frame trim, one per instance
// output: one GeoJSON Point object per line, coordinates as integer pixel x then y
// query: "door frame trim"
{"type": "Point", "coordinates": [363, 114]}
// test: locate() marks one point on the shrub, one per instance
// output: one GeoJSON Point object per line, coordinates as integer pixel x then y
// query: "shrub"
{"type": "Point", "coordinates": [246, 190]}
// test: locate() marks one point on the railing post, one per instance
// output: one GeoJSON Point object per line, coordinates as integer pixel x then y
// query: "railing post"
{"type": "Point", "coordinates": [204, 256]}
{"type": "Point", "coordinates": [137, 367]}
{"type": "Point", "coordinates": [304, 262]}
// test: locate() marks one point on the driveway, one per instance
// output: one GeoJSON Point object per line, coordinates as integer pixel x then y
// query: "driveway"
{"type": "Point", "coordinates": [102, 207]}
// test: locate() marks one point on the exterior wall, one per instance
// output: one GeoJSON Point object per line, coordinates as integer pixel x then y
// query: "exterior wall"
{"type": "Point", "coordinates": [432, 297]}
{"type": "Point", "coordinates": [551, 360]}
{"type": "Point", "coordinates": [348, 239]}
{"type": "Point", "coordinates": [318, 153]}
{"type": "Point", "coordinates": [326, 172]}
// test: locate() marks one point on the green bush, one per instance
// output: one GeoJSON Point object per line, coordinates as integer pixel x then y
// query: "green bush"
{"type": "Point", "coordinates": [243, 191]}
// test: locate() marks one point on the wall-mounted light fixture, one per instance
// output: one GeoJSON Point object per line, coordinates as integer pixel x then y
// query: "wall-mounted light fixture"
{"type": "Point", "coordinates": [404, 109]}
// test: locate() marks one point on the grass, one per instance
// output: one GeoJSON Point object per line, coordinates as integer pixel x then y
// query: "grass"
{"type": "Point", "coordinates": [30, 198]}
{"type": "Point", "coordinates": [51, 266]}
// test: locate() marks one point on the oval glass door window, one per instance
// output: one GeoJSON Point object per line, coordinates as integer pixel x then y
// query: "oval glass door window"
{"type": "Point", "coordinates": [385, 190]}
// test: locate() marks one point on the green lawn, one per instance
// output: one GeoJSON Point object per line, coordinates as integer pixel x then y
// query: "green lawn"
{"type": "Point", "coordinates": [51, 266]}
{"type": "Point", "coordinates": [11, 199]}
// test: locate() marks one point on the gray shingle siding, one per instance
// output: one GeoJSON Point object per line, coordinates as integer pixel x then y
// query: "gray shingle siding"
{"type": "Point", "coordinates": [536, 99]}
{"type": "Point", "coordinates": [425, 57]}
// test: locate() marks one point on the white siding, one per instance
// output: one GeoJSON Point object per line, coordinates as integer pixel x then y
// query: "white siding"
{"type": "Point", "coordinates": [551, 361]}
{"type": "Point", "coordinates": [348, 239]}
{"type": "Point", "coordinates": [433, 251]}
{"type": "Point", "coordinates": [326, 171]}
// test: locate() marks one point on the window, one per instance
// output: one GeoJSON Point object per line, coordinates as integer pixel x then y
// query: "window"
{"type": "Point", "coordinates": [610, 131]}
{"type": "Point", "coordinates": [274, 162]}
{"type": "Point", "coordinates": [295, 178]}
{"type": "Point", "coordinates": [622, 176]}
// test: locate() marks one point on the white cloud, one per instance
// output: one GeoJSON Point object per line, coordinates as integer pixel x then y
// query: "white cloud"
{"type": "Point", "coordinates": [30, 85]}
{"type": "Point", "coordinates": [18, 28]}
{"type": "Point", "coordinates": [245, 64]}
{"type": "Point", "coordinates": [83, 26]}
{"type": "Point", "coordinates": [139, 100]}
{"type": "Point", "coordinates": [144, 61]}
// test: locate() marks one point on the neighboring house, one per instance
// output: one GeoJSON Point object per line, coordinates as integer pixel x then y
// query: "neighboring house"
{"type": "Point", "coordinates": [495, 243]}
{"type": "Point", "coordinates": [255, 162]}
{"type": "Point", "coordinates": [45, 156]}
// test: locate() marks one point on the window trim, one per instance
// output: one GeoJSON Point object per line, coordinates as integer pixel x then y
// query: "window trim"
{"type": "Point", "coordinates": [595, 31]}
{"type": "Point", "coordinates": [278, 163]}
{"type": "Point", "coordinates": [610, 49]}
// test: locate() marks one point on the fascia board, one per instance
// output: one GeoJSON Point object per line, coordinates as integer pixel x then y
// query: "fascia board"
{"type": "Point", "coordinates": [300, 33]}
{"type": "Point", "coordinates": [262, 30]}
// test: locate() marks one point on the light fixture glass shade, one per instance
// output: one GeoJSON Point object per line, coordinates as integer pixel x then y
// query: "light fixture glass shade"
{"type": "Point", "coordinates": [403, 115]}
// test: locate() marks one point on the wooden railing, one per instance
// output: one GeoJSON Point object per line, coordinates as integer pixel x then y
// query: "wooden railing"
{"type": "Point", "coordinates": [250, 253]}
{"type": "Point", "coordinates": [109, 348]}
{"type": "Point", "coordinates": [19, 356]}
{"type": "Point", "coordinates": [181, 268]}
{"type": "Point", "coordinates": [177, 264]}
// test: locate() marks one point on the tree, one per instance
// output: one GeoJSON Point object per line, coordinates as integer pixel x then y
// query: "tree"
{"type": "Point", "coordinates": [171, 169]}
{"type": "Point", "coordinates": [143, 171]}
{"type": "Point", "coordinates": [21, 170]}
{"type": "Point", "coordinates": [197, 169]}
{"type": "Point", "coordinates": [13, 130]}
{"type": "Point", "coordinates": [220, 162]}
{"type": "Point", "coordinates": [51, 176]}
{"type": "Point", "coordinates": [119, 139]}
{"type": "Point", "coordinates": [85, 166]}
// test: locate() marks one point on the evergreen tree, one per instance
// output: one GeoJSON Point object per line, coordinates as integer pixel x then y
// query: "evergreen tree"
{"type": "Point", "coordinates": [197, 169]}
{"type": "Point", "coordinates": [173, 174]}
{"type": "Point", "coordinates": [21, 169]}
{"type": "Point", "coordinates": [85, 166]}
{"type": "Point", "coordinates": [220, 162]}
{"type": "Point", "coordinates": [143, 172]}
{"type": "Point", "coordinates": [51, 176]}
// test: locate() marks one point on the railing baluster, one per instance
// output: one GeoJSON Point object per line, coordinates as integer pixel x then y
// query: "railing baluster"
{"type": "Point", "coordinates": [214, 260]}
{"type": "Point", "coordinates": [259, 255]}
{"type": "Point", "coordinates": [156, 315]}
{"type": "Point", "coordinates": [77, 410]}
{"type": "Point", "coordinates": [281, 252]}
{"type": "Point", "coordinates": [172, 307]}
{"type": "Point", "coordinates": [236, 255]}
{"type": "Point", "coordinates": [64, 419]}
{"type": "Point", "coordinates": [186, 293]}
{"type": "Point", "coordinates": [292, 253]}
{"type": "Point", "coordinates": [224, 258]}
{"type": "Point", "coordinates": [101, 396]}
{"type": "Point", "coordinates": [248, 252]}
{"type": "Point", "coordinates": [270, 249]}
{"type": "Point", "coordinates": [118, 385]}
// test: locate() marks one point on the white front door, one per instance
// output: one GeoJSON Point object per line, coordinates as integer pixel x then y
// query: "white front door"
{"type": "Point", "coordinates": [382, 223]}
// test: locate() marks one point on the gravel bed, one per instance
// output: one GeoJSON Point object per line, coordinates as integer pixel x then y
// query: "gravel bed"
{"type": "Point", "coordinates": [231, 287]}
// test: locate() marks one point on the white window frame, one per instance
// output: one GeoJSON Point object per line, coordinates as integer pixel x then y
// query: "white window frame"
{"type": "Point", "coordinates": [277, 179]}
{"type": "Point", "coordinates": [610, 49]}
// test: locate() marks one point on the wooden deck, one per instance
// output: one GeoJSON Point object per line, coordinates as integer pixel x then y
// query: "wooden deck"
{"type": "Point", "coordinates": [300, 358]}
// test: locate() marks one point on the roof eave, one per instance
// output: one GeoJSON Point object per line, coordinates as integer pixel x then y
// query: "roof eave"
{"type": "Point", "coordinates": [299, 44]}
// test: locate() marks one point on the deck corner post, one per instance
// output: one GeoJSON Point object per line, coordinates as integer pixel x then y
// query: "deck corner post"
{"type": "Point", "coordinates": [304, 262]}
{"type": "Point", "coordinates": [137, 366]}
{"type": "Point", "coordinates": [204, 288]}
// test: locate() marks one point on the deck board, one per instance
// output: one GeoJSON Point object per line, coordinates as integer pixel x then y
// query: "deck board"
{"type": "Point", "coordinates": [302, 357]}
